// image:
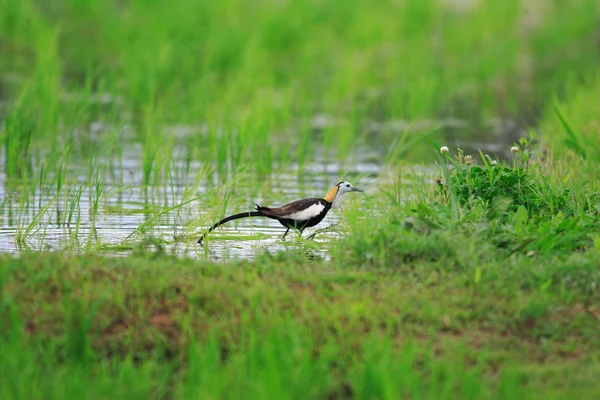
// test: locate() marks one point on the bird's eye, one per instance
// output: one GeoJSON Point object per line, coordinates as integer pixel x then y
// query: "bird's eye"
{"type": "Point", "coordinates": [347, 185]}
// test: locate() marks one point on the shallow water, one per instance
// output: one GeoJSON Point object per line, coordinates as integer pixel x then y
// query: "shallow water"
{"type": "Point", "coordinates": [125, 204]}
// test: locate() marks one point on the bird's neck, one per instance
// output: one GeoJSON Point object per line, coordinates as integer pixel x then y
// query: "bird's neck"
{"type": "Point", "coordinates": [331, 196]}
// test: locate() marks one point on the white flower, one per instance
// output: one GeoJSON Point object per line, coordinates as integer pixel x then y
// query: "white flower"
{"type": "Point", "coordinates": [444, 149]}
{"type": "Point", "coordinates": [514, 149]}
{"type": "Point", "coordinates": [494, 163]}
{"type": "Point", "coordinates": [468, 160]}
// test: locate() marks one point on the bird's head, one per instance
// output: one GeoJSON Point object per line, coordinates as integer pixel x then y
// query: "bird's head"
{"type": "Point", "coordinates": [344, 187]}
{"type": "Point", "coordinates": [339, 189]}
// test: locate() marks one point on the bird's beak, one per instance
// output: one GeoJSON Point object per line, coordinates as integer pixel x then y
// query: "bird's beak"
{"type": "Point", "coordinates": [357, 190]}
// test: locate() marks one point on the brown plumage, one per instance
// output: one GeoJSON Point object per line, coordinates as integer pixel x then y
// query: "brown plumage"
{"type": "Point", "coordinates": [299, 214]}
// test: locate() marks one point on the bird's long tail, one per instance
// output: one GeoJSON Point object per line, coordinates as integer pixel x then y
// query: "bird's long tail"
{"type": "Point", "coordinates": [249, 214]}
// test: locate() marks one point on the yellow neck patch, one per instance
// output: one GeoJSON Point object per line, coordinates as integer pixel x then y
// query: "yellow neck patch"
{"type": "Point", "coordinates": [330, 196]}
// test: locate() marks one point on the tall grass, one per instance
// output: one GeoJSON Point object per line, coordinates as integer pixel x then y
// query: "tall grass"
{"type": "Point", "coordinates": [256, 74]}
{"type": "Point", "coordinates": [569, 130]}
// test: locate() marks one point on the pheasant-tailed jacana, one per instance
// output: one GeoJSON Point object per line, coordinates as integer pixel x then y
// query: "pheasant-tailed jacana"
{"type": "Point", "coordinates": [300, 214]}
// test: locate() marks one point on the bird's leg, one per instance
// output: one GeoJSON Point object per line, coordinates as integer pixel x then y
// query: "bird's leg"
{"type": "Point", "coordinates": [312, 235]}
{"type": "Point", "coordinates": [286, 232]}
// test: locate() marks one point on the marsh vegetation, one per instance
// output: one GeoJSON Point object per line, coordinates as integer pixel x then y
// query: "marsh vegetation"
{"type": "Point", "coordinates": [128, 127]}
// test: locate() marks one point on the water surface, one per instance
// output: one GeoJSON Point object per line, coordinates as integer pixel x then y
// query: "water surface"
{"type": "Point", "coordinates": [69, 220]}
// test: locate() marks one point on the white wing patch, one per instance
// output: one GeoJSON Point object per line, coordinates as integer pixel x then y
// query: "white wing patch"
{"type": "Point", "coordinates": [308, 213]}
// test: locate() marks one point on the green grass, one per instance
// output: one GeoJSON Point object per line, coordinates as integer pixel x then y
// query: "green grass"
{"type": "Point", "coordinates": [243, 75]}
{"type": "Point", "coordinates": [570, 130]}
{"type": "Point", "coordinates": [454, 275]}
{"type": "Point", "coordinates": [473, 288]}
{"type": "Point", "coordinates": [79, 326]}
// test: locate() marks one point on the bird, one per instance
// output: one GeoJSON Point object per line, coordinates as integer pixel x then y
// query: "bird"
{"type": "Point", "coordinates": [299, 214]}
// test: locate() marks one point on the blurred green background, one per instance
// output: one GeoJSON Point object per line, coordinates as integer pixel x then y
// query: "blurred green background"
{"type": "Point", "coordinates": [262, 83]}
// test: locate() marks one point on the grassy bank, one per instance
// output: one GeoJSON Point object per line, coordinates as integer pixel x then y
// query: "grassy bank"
{"type": "Point", "coordinates": [88, 326]}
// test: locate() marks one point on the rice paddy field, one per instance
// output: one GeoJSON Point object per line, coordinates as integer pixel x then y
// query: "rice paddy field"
{"type": "Point", "coordinates": [468, 269]}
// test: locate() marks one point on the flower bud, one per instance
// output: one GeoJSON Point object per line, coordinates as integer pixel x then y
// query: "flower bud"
{"type": "Point", "coordinates": [514, 149]}
{"type": "Point", "coordinates": [444, 149]}
{"type": "Point", "coordinates": [468, 160]}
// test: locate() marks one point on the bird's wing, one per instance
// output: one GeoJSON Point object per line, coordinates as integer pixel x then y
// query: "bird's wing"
{"type": "Point", "coordinates": [299, 210]}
